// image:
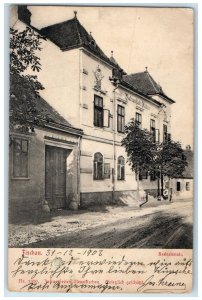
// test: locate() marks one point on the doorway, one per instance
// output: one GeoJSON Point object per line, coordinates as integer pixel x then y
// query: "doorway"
{"type": "Point", "coordinates": [55, 176]}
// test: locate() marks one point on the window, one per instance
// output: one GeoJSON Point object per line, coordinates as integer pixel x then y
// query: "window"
{"type": "Point", "coordinates": [165, 132]}
{"type": "Point", "coordinates": [20, 158]}
{"type": "Point", "coordinates": [120, 118]}
{"type": "Point", "coordinates": [143, 174]}
{"type": "Point", "coordinates": [98, 166]}
{"type": "Point", "coordinates": [138, 120]}
{"type": "Point", "coordinates": [153, 175]}
{"type": "Point", "coordinates": [153, 129]}
{"type": "Point", "coordinates": [178, 186]}
{"type": "Point", "coordinates": [121, 168]}
{"type": "Point", "coordinates": [187, 186]}
{"type": "Point", "coordinates": [98, 111]}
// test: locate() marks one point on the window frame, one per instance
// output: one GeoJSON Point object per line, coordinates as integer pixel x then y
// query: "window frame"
{"type": "Point", "coordinates": [153, 175]}
{"type": "Point", "coordinates": [22, 139]}
{"type": "Point", "coordinates": [153, 129]}
{"type": "Point", "coordinates": [143, 175]}
{"type": "Point", "coordinates": [96, 176]}
{"type": "Point", "coordinates": [138, 119]}
{"type": "Point", "coordinates": [98, 109]}
{"type": "Point", "coordinates": [187, 186]}
{"type": "Point", "coordinates": [120, 116]}
{"type": "Point", "coordinates": [178, 186]}
{"type": "Point", "coordinates": [165, 133]}
{"type": "Point", "coordinates": [120, 166]}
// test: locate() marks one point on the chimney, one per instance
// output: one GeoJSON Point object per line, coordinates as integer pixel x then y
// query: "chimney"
{"type": "Point", "coordinates": [24, 14]}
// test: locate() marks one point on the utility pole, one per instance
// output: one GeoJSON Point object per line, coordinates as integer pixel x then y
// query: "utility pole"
{"type": "Point", "coordinates": [115, 82]}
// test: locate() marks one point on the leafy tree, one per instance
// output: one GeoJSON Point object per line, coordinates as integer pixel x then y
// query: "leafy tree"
{"type": "Point", "coordinates": [23, 110]}
{"type": "Point", "coordinates": [170, 162]}
{"type": "Point", "coordinates": [24, 87]}
{"type": "Point", "coordinates": [172, 159]}
{"type": "Point", "coordinates": [140, 147]}
{"type": "Point", "coordinates": [167, 159]}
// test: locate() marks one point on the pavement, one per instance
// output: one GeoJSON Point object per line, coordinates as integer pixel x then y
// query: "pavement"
{"type": "Point", "coordinates": [157, 224]}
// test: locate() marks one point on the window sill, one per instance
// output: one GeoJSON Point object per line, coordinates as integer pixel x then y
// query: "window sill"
{"type": "Point", "coordinates": [120, 133]}
{"type": "Point", "coordinates": [103, 129]}
{"type": "Point", "coordinates": [20, 178]}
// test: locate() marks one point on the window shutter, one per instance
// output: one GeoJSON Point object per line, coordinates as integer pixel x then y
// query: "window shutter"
{"type": "Point", "coordinates": [106, 118]}
{"type": "Point", "coordinates": [157, 135]}
{"type": "Point", "coordinates": [118, 171]}
{"type": "Point", "coordinates": [122, 173]}
{"type": "Point", "coordinates": [95, 170]}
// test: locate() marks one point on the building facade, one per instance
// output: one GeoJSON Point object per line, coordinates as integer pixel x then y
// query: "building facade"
{"type": "Point", "coordinates": [183, 187]}
{"type": "Point", "coordinates": [44, 161]}
{"type": "Point", "coordinates": [92, 92]}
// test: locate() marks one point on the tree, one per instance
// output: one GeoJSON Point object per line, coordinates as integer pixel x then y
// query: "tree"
{"type": "Point", "coordinates": [172, 159]}
{"type": "Point", "coordinates": [140, 148]}
{"type": "Point", "coordinates": [167, 159]}
{"type": "Point", "coordinates": [171, 162]}
{"type": "Point", "coordinates": [24, 87]}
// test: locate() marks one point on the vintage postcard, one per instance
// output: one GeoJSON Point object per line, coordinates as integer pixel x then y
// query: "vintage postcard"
{"type": "Point", "coordinates": [101, 149]}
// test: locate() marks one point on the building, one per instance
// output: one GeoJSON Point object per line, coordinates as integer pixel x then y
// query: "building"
{"type": "Point", "coordinates": [44, 161]}
{"type": "Point", "coordinates": [92, 92]}
{"type": "Point", "coordinates": [183, 187]}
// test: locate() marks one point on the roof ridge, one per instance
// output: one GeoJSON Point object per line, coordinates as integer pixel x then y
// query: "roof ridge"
{"type": "Point", "coordinates": [59, 23]}
{"type": "Point", "coordinates": [151, 80]}
{"type": "Point", "coordinates": [134, 73]}
{"type": "Point", "coordinates": [77, 27]}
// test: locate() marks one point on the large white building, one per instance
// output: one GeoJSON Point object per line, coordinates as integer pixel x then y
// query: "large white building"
{"type": "Point", "coordinates": [93, 93]}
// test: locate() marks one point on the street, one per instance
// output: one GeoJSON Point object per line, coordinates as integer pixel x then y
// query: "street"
{"type": "Point", "coordinates": [164, 225]}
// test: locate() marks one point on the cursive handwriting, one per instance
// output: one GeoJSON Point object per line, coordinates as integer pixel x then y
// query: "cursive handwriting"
{"type": "Point", "coordinates": [100, 271]}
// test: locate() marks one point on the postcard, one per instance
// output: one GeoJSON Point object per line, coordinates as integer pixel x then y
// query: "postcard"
{"type": "Point", "coordinates": [101, 110]}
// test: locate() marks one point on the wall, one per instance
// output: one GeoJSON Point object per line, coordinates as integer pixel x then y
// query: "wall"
{"type": "Point", "coordinates": [183, 193]}
{"type": "Point", "coordinates": [97, 139]}
{"type": "Point", "coordinates": [60, 78]}
{"type": "Point", "coordinates": [27, 195]}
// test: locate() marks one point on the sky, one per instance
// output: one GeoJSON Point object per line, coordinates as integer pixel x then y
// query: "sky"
{"type": "Point", "coordinates": [158, 38]}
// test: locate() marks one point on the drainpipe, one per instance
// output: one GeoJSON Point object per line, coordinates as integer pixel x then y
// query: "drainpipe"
{"type": "Point", "coordinates": [78, 171]}
{"type": "Point", "coordinates": [80, 86]}
{"type": "Point", "coordinates": [114, 146]}
{"type": "Point", "coordinates": [80, 123]}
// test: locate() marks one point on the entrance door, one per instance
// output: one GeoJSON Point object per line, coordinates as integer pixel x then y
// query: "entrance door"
{"type": "Point", "coordinates": [55, 176]}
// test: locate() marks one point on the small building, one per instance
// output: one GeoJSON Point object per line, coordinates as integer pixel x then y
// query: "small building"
{"type": "Point", "coordinates": [183, 187]}
{"type": "Point", "coordinates": [44, 160]}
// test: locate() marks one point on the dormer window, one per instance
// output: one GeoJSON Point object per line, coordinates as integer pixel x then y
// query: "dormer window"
{"type": "Point", "coordinates": [92, 43]}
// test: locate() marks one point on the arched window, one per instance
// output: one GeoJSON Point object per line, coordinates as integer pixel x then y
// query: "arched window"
{"type": "Point", "coordinates": [121, 168]}
{"type": "Point", "coordinates": [98, 166]}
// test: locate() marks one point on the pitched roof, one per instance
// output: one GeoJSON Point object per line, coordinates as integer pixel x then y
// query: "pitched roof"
{"type": "Point", "coordinates": [42, 112]}
{"type": "Point", "coordinates": [71, 34]}
{"type": "Point", "coordinates": [144, 82]}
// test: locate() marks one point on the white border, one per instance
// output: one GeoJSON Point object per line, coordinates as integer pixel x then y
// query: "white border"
{"type": "Point", "coordinates": [4, 154]}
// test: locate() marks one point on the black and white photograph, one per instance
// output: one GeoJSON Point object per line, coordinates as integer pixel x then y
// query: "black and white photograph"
{"type": "Point", "coordinates": [101, 127]}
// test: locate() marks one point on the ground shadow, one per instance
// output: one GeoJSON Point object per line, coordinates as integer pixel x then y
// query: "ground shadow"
{"type": "Point", "coordinates": [25, 218]}
{"type": "Point", "coordinates": [163, 231]}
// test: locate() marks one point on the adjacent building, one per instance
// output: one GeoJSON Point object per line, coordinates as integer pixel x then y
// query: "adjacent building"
{"type": "Point", "coordinates": [183, 187]}
{"type": "Point", "coordinates": [44, 161]}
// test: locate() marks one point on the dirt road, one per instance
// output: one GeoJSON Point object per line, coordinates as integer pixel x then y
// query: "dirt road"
{"type": "Point", "coordinates": [163, 226]}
